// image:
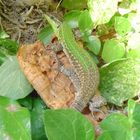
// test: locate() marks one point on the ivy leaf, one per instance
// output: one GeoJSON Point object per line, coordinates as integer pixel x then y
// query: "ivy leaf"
{"type": "Point", "coordinates": [67, 124]}
{"type": "Point", "coordinates": [101, 11]}
{"type": "Point", "coordinates": [113, 50]}
{"type": "Point", "coordinates": [46, 35]}
{"type": "Point", "coordinates": [119, 80]}
{"type": "Point", "coordinates": [115, 126]}
{"type": "Point", "coordinates": [122, 25]}
{"type": "Point", "coordinates": [85, 22]}
{"type": "Point", "coordinates": [135, 53]}
{"type": "Point", "coordinates": [38, 131]}
{"type": "Point", "coordinates": [13, 82]}
{"type": "Point", "coordinates": [118, 125]}
{"type": "Point", "coordinates": [8, 46]}
{"type": "Point", "coordinates": [93, 44]}
{"type": "Point", "coordinates": [72, 18]}
{"type": "Point", "coordinates": [14, 120]}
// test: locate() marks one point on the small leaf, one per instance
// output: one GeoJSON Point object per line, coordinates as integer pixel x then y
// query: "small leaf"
{"type": "Point", "coordinates": [93, 44]}
{"type": "Point", "coordinates": [13, 82]}
{"type": "Point", "coordinates": [3, 35]}
{"type": "Point", "coordinates": [122, 25]}
{"type": "Point", "coordinates": [74, 4]}
{"type": "Point", "coordinates": [101, 11]}
{"type": "Point", "coordinates": [119, 80]}
{"type": "Point", "coordinates": [46, 35]}
{"type": "Point", "coordinates": [113, 50]}
{"type": "Point", "coordinates": [14, 120]}
{"type": "Point", "coordinates": [8, 46]}
{"type": "Point", "coordinates": [85, 22]}
{"type": "Point", "coordinates": [38, 131]}
{"type": "Point", "coordinates": [72, 18]}
{"type": "Point", "coordinates": [67, 124]}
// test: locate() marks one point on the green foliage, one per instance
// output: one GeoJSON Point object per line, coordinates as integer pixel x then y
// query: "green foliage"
{"type": "Point", "coordinates": [110, 31]}
{"type": "Point", "coordinates": [7, 47]}
{"type": "Point", "coordinates": [93, 44]}
{"type": "Point", "coordinates": [38, 131]}
{"type": "Point", "coordinates": [122, 25]}
{"type": "Point", "coordinates": [14, 120]}
{"type": "Point", "coordinates": [119, 80]}
{"type": "Point", "coordinates": [46, 35]}
{"type": "Point", "coordinates": [119, 126]}
{"type": "Point", "coordinates": [113, 50]}
{"type": "Point", "coordinates": [74, 4]}
{"type": "Point", "coordinates": [13, 82]}
{"type": "Point", "coordinates": [3, 34]}
{"type": "Point", "coordinates": [85, 22]}
{"type": "Point", "coordinates": [72, 18]}
{"type": "Point", "coordinates": [67, 124]}
{"type": "Point", "coordinates": [101, 11]}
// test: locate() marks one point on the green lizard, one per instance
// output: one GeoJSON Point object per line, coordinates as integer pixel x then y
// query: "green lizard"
{"type": "Point", "coordinates": [85, 76]}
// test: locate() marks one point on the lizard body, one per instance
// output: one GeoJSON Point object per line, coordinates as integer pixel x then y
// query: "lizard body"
{"type": "Point", "coordinates": [86, 71]}
{"type": "Point", "coordinates": [86, 76]}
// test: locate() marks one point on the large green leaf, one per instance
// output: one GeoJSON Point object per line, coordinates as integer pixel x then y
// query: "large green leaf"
{"type": "Point", "coordinates": [67, 124]}
{"type": "Point", "coordinates": [13, 82]}
{"type": "Point", "coordinates": [14, 121]}
{"type": "Point", "coordinates": [120, 80]}
{"type": "Point", "coordinates": [118, 126]}
{"type": "Point", "coordinates": [101, 11]}
{"type": "Point", "coordinates": [113, 50]}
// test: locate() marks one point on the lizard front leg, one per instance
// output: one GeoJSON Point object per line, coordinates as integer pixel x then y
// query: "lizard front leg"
{"type": "Point", "coordinates": [95, 103]}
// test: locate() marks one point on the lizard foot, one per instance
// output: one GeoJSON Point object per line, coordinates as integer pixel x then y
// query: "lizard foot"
{"type": "Point", "coordinates": [95, 103]}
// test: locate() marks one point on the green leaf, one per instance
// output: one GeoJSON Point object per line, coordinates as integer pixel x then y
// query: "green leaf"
{"type": "Point", "coordinates": [72, 18]}
{"type": "Point", "coordinates": [122, 25]}
{"type": "Point", "coordinates": [46, 35]}
{"type": "Point", "coordinates": [119, 80]}
{"type": "Point", "coordinates": [13, 82]}
{"type": "Point", "coordinates": [74, 4]}
{"type": "Point", "coordinates": [3, 35]}
{"type": "Point", "coordinates": [134, 119]}
{"type": "Point", "coordinates": [38, 131]}
{"type": "Point", "coordinates": [101, 11]}
{"type": "Point", "coordinates": [26, 102]}
{"type": "Point", "coordinates": [117, 125]}
{"type": "Point", "coordinates": [93, 44]}
{"type": "Point", "coordinates": [8, 46]}
{"type": "Point", "coordinates": [135, 53]}
{"type": "Point", "coordinates": [113, 50]}
{"type": "Point", "coordinates": [67, 124]}
{"type": "Point", "coordinates": [85, 22]}
{"type": "Point", "coordinates": [14, 121]}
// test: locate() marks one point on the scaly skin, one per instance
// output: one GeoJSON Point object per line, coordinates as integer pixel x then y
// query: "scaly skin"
{"type": "Point", "coordinates": [86, 71]}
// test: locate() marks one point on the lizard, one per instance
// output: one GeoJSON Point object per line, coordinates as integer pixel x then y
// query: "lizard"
{"type": "Point", "coordinates": [86, 75]}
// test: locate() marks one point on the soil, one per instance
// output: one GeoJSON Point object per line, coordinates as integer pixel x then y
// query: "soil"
{"type": "Point", "coordinates": [23, 19]}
